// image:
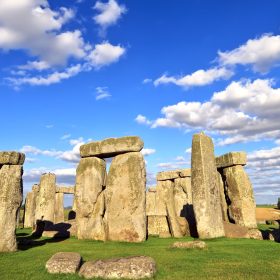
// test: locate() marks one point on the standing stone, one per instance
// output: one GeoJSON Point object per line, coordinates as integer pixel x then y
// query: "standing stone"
{"type": "Point", "coordinates": [10, 201]}
{"type": "Point", "coordinates": [30, 207]}
{"type": "Point", "coordinates": [205, 188]}
{"type": "Point", "coordinates": [165, 191]}
{"type": "Point", "coordinates": [59, 208]}
{"type": "Point", "coordinates": [125, 198]}
{"type": "Point", "coordinates": [242, 204]}
{"type": "Point", "coordinates": [182, 196]}
{"type": "Point", "coordinates": [89, 197]}
{"type": "Point", "coordinates": [45, 207]}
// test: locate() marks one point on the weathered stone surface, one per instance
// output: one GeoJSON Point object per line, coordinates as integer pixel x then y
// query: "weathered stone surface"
{"type": "Point", "coordinates": [165, 191]}
{"type": "Point", "coordinates": [223, 201]}
{"type": "Point", "coordinates": [45, 206]}
{"type": "Point", "coordinates": [190, 245]}
{"type": "Point", "coordinates": [64, 262]}
{"type": "Point", "coordinates": [158, 225]}
{"type": "Point", "coordinates": [59, 208]}
{"type": "Point", "coordinates": [55, 234]}
{"type": "Point", "coordinates": [205, 188]}
{"type": "Point", "coordinates": [182, 196]}
{"type": "Point", "coordinates": [130, 267]}
{"type": "Point", "coordinates": [10, 201]}
{"type": "Point", "coordinates": [12, 158]}
{"type": "Point", "coordinates": [239, 190]}
{"type": "Point", "coordinates": [231, 159]}
{"type": "Point", "coordinates": [112, 146]}
{"type": "Point", "coordinates": [173, 174]}
{"type": "Point", "coordinates": [65, 189]}
{"type": "Point", "coordinates": [89, 196]}
{"type": "Point", "coordinates": [30, 207]}
{"type": "Point", "coordinates": [126, 197]}
{"type": "Point", "coordinates": [238, 231]}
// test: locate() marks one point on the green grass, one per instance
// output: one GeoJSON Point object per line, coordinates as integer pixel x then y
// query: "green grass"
{"type": "Point", "coordinates": [266, 206]}
{"type": "Point", "coordinates": [224, 258]}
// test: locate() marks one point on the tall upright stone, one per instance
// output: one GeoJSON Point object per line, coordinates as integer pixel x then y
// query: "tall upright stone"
{"type": "Point", "coordinates": [205, 188]}
{"type": "Point", "coordinates": [30, 207]}
{"type": "Point", "coordinates": [89, 197]}
{"type": "Point", "coordinates": [10, 201]}
{"type": "Point", "coordinates": [59, 208]}
{"type": "Point", "coordinates": [125, 198]}
{"type": "Point", "coordinates": [239, 190]}
{"type": "Point", "coordinates": [45, 206]}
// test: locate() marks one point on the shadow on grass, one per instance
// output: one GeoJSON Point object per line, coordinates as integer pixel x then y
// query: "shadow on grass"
{"type": "Point", "coordinates": [57, 233]}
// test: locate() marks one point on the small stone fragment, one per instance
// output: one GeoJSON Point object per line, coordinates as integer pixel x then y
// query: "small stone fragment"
{"type": "Point", "coordinates": [190, 245]}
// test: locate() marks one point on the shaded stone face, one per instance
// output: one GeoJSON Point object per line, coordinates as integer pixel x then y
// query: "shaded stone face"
{"type": "Point", "coordinates": [89, 198]}
{"type": "Point", "coordinates": [111, 147]}
{"type": "Point", "coordinates": [231, 159]}
{"type": "Point", "coordinates": [239, 189]}
{"type": "Point", "coordinates": [11, 158]}
{"type": "Point", "coordinates": [205, 188]}
{"type": "Point", "coordinates": [125, 198]}
{"type": "Point", "coordinates": [128, 268]}
{"type": "Point", "coordinates": [64, 262]}
{"type": "Point", "coordinates": [10, 201]}
{"type": "Point", "coordinates": [45, 206]}
{"type": "Point", "coordinates": [223, 195]}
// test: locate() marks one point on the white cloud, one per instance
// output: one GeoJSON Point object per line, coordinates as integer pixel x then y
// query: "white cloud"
{"type": "Point", "coordinates": [244, 111]}
{"type": "Point", "coordinates": [109, 14]}
{"type": "Point", "coordinates": [198, 78]}
{"type": "Point", "coordinates": [35, 151]}
{"type": "Point", "coordinates": [147, 151]}
{"type": "Point", "coordinates": [142, 120]}
{"type": "Point", "coordinates": [173, 165]}
{"type": "Point", "coordinates": [105, 54]}
{"type": "Point", "coordinates": [102, 93]}
{"type": "Point", "coordinates": [262, 53]}
{"type": "Point", "coordinates": [52, 78]}
{"type": "Point", "coordinates": [65, 136]}
{"type": "Point", "coordinates": [33, 26]}
{"type": "Point", "coordinates": [35, 65]}
{"type": "Point", "coordinates": [147, 81]}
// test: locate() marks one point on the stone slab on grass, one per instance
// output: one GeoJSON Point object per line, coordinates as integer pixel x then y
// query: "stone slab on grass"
{"type": "Point", "coordinates": [131, 267]}
{"type": "Point", "coordinates": [190, 245]}
{"type": "Point", "coordinates": [64, 262]}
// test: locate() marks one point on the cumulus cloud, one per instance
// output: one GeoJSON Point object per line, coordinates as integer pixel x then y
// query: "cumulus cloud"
{"type": "Point", "coordinates": [34, 27]}
{"type": "Point", "coordinates": [147, 151]}
{"type": "Point", "coordinates": [244, 111]}
{"type": "Point", "coordinates": [102, 93]}
{"type": "Point", "coordinates": [198, 78]}
{"type": "Point", "coordinates": [261, 53]}
{"type": "Point", "coordinates": [108, 14]}
{"type": "Point", "coordinates": [105, 54]}
{"type": "Point", "coordinates": [72, 155]}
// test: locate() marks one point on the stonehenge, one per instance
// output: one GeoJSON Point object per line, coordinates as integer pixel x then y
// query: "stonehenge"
{"type": "Point", "coordinates": [205, 201]}
{"type": "Point", "coordinates": [11, 189]}
{"type": "Point", "coordinates": [111, 206]}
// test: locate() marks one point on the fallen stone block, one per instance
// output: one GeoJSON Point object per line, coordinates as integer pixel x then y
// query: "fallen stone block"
{"type": "Point", "coordinates": [64, 262]}
{"type": "Point", "coordinates": [111, 147]}
{"type": "Point", "coordinates": [130, 267]}
{"type": "Point", "coordinates": [231, 159]}
{"type": "Point", "coordinates": [190, 245]}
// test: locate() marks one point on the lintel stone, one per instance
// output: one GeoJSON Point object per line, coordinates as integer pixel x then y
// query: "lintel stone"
{"type": "Point", "coordinates": [173, 174]}
{"type": "Point", "coordinates": [111, 147]}
{"type": "Point", "coordinates": [11, 158]}
{"type": "Point", "coordinates": [231, 159]}
{"type": "Point", "coordinates": [64, 189]}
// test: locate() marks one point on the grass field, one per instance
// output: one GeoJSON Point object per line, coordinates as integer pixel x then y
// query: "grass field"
{"type": "Point", "coordinates": [224, 258]}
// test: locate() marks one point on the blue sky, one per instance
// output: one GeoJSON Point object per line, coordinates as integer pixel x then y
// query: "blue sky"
{"type": "Point", "coordinates": [76, 71]}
